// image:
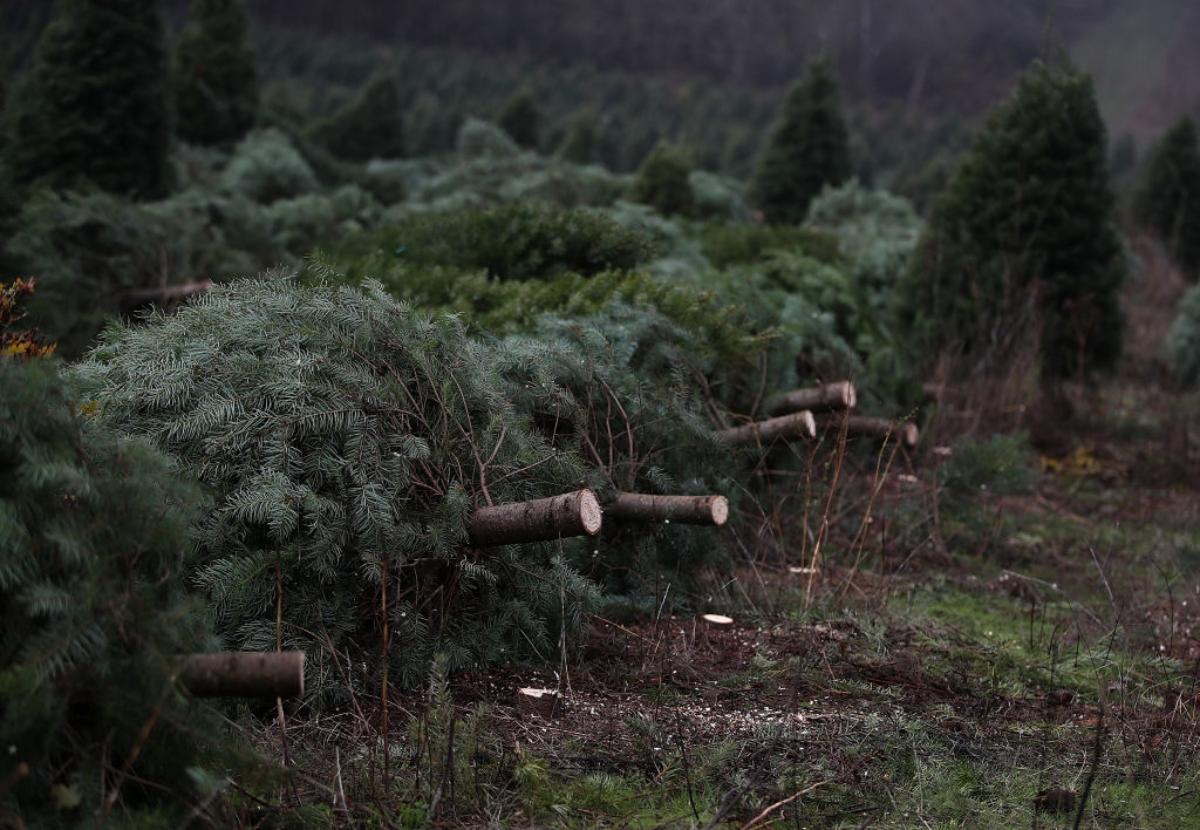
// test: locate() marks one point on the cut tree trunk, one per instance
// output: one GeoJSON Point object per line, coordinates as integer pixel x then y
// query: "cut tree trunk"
{"type": "Point", "coordinates": [541, 520]}
{"type": "Point", "coordinates": [688, 510]}
{"type": "Point", "coordinates": [245, 674]}
{"type": "Point", "coordinates": [786, 427]}
{"type": "Point", "coordinates": [170, 292]}
{"type": "Point", "coordinates": [839, 395]}
{"type": "Point", "coordinates": [906, 432]}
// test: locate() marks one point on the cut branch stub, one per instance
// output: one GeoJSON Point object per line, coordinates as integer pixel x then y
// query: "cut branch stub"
{"type": "Point", "coordinates": [541, 520]}
{"type": "Point", "coordinates": [264, 674]}
{"type": "Point", "coordinates": [906, 432]}
{"type": "Point", "coordinates": [839, 395]}
{"type": "Point", "coordinates": [785, 427]}
{"type": "Point", "coordinates": [690, 510]}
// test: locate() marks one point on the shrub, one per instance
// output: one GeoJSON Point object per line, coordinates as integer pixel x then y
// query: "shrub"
{"type": "Point", "coordinates": [91, 251]}
{"type": "Point", "coordinates": [267, 166]}
{"type": "Point", "coordinates": [368, 127]}
{"type": "Point", "coordinates": [718, 197]}
{"type": "Point", "coordinates": [93, 106]}
{"type": "Point", "coordinates": [808, 149]}
{"type": "Point", "coordinates": [736, 244]}
{"type": "Point", "coordinates": [662, 181]}
{"type": "Point", "coordinates": [876, 235]}
{"type": "Point", "coordinates": [518, 241]}
{"type": "Point", "coordinates": [1168, 197]}
{"type": "Point", "coordinates": [1018, 221]}
{"type": "Point", "coordinates": [215, 85]}
{"type": "Point", "coordinates": [95, 537]}
{"type": "Point", "coordinates": [344, 437]}
{"type": "Point", "coordinates": [1182, 345]}
{"type": "Point", "coordinates": [520, 118]}
{"type": "Point", "coordinates": [579, 145]}
{"type": "Point", "coordinates": [25, 343]}
{"type": "Point", "coordinates": [481, 140]}
{"type": "Point", "coordinates": [300, 223]}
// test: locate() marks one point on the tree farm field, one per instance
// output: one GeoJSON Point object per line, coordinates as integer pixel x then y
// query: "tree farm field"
{"type": "Point", "coordinates": [716, 417]}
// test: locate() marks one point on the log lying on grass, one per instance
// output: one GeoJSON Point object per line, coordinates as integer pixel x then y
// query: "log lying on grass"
{"type": "Point", "coordinates": [688, 510]}
{"type": "Point", "coordinates": [541, 520]}
{"type": "Point", "coordinates": [786, 427]}
{"type": "Point", "coordinates": [906, 432]}
{"type": "Point", "coordinates": [830, 396]}
{"type": "Point", "coordinates": [245, 674]}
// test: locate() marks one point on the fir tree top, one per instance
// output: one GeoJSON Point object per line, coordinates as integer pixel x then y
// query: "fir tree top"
{"type": "Point", "coordinates": [1029, 209]}
{"type": "Point", "coordinates": [93, 106]}
{"type": "Point", "coordinates": [808, 149]}
{"type": "Point", "coordinates": [369, 126]}
{"type": "Point", "coordinates": [1168, 197]}
{"type": "Point", "coordinates": [215, 85]}
{"type": "Point", "coordinates": [662, 181]}
{"type": "Point", "coordinates": [521, 119]}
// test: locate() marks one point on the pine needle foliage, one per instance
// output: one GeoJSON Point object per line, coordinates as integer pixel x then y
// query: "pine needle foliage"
{"type": "Point", "coordinates": [520, 118]}
{"type": "Point", "coordinates": [520, 241]}
{"type": "Point", "coordinates": [662, 181]}
{"type": "Point", "coordinates": [808, 149]}
{"type": "Point", "coordinates": [627, 385]}
{"type": "Point", "coordinates": [214, 80]}
{"type": "Point", "coordinates": [370, 126]}
{"type": "Point", "coordinates": [1026, 220]}
{"type": "Point", "coordinates": [93, 106]}
{"type": "Point", "coordinates": [94, 545]}
{"type": "Point", "coordinates": [347, 438]}
{"type": "Point", "coordinates": [1168, 197]}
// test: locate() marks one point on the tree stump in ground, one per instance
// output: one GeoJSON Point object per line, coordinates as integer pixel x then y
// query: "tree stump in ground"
{"type": "Point", "coordinates": [544, 703]}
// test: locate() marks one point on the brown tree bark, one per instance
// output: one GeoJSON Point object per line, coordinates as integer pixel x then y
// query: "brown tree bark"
{"type": "Point", "coordinates": [839, 395]}
{"type": "Point", "coordinates": [906, 432]}
{"type": "Point", "coordinates": [690, 510]}
{"type": "Point", "coordinates": [264, 674]}
{"type": "Point", "coordinates": [786, 427]}
{"type": "Point", "coordinates": [541, 520]}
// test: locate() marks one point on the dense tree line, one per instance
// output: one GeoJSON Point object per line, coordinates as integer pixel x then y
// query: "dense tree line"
{"type": "Point", "coordinates": [948, 55]}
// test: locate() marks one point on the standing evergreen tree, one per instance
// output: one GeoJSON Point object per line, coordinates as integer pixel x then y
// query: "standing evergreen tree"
{"type": "Point", "coordinates": [808, 149]}
{"type": "Point", "coordinates": [1029, 213]}
{"type": "Point", "coordinates": [1168, 197]}
{"type": "Point", "coordinates": [579, 145]}
{"type": "Point", "coordinates": [662, 181]}
{"type": "Point", "coordinates": [216, 89]}
{"type": "Point", "coordinates": [93, 106]}
{"type": "Point", "coordinates": [520, 118]}
{"type": "Point", "coordinates": [369, 126]}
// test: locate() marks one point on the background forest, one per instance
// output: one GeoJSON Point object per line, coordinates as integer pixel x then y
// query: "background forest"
{"type": "Point", "coordinates": [292, 294]}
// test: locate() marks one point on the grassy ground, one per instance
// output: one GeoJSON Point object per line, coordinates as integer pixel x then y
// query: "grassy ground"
{"type": "Point", "coordinates": [990, 638]}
